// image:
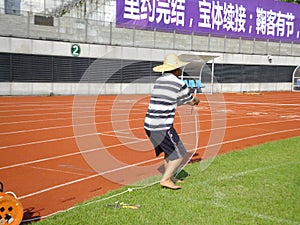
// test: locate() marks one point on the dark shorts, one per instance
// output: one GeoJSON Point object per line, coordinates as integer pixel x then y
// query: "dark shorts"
{"type": "Point", "coordinates": [167, 141]}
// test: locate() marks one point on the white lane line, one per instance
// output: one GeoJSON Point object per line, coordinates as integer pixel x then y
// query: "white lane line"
{"type": "Point", "coordinates": [78, 117]}
{"type": "Point", "coordinates": [243, 173]}
{"type": "Point", "coordinates": [218, 203]}
{"type": "Point", "coordinates": [254, 103]}
{"type": "Point", "coordinates": [137, 141]}
{"type": "Point", "coordinates": [71, 114]}
{"type": "Point", "coordinates": [68, 118]}
{"type": "Point", "coordinates": [111, 133]}
{"type": "Point", "coordinates": [37, 108]}
{"type": "Point", "coordinates": [100, 123]}
{"type": "Point", "coordinates": [281, 220]}
{"type": "Point", "coordinates": [36, 121]}
{"type": "Point", "coordinates": [65, 126]}
{"type": "Point", "coordinates": [64, 110]}
{"type": "Point", "coordinates": [254, 214]}
{"type": "Point", "coordinates": [251, 137]}
{"type": "Point", "coordinates": [117, 169]}
{"type": "Point", "coordinates": [99, 101]}
{"type": "Point", "coordinates": [140, 163]}
{"type": "Point", "coordinates": [67, 113]}
{"type": "Point", "coordinates": [106, 110]}
{"type": "Point", "coordinates": [41, 142]}
{"type": "Point", "coordinates": [89, 177]}
{"type": "Point", "coordinates": [46, 107]}
{"type": "Point", "coordinates": [68, 155]}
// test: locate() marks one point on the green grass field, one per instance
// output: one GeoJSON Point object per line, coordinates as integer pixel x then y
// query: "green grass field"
{"type": "Point", "coordinates": [259, 185]}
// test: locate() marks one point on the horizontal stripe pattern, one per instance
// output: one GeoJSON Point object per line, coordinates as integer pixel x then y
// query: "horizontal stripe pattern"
{"type": "Point", "coordinates": [168, 93]}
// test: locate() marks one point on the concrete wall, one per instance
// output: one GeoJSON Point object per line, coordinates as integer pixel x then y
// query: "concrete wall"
{"type": "Point", "coordinates": [57, 48]}
{"type": "Point", "coordinates": [115, 89]}
{"type": "Point", "coordinates": [43, 47]}
{"type": "Point", "coordinates": [73, 89]}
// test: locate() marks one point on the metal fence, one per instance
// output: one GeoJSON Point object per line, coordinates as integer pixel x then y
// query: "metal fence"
{"type": "Point", "coordinates": [26, 25]}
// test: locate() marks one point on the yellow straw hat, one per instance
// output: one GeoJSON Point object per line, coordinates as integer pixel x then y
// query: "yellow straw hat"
{"type": "Point", "coordinates": [171, 62]}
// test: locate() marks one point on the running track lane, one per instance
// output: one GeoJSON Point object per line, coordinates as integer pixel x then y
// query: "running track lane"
{"type": "Point", "coordinates": [42, 164]}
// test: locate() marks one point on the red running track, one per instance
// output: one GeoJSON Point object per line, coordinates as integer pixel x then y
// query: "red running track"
{"type": "Point", "coordinates": [59, 151]}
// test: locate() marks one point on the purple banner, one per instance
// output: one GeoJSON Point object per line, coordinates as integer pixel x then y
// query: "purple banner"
{"type": "Point", "coordinates": [260, 19]}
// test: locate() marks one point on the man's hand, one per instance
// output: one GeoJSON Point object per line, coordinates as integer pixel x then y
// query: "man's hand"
{"type": "Point", "coordinates": [195, 101]}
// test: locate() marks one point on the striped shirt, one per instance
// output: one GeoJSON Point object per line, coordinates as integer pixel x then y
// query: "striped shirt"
{"type": "Point", "coordinates": [168, 93]}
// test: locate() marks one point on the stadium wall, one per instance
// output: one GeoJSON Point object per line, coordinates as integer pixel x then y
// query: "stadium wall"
{"type": "Point", "coordinates": [40, 67]}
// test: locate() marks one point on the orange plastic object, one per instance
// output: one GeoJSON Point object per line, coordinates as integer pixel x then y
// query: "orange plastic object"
{"type": "Point", "coordinates": [11, 209]}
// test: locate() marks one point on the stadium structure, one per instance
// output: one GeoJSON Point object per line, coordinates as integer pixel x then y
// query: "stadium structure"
{"type": "Point", "coordinates": [55, 46]}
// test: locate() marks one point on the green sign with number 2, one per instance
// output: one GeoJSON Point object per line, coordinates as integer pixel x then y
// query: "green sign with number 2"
{"type": "Point", "coordinates": [75, 50]}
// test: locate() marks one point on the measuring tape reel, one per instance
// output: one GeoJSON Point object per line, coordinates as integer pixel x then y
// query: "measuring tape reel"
{"type": "Point", "coordinates": [11, 209]}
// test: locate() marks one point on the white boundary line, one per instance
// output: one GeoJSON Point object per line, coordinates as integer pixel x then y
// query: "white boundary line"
{"type": "Point", "coordinates": [108, 133]}
{"type": "Point", "coordinates": [258, 103]}
{"type": "Point", "coordinates": [198, 149]}
{"type": "Point", "coordinates": [226, 142]}
{"type": "Point", "coordinates": [66, 126]}
{"type": "Point", "coordinates": [65, 155]}
{"type": "Point", "coordinates": [89, 177]}
{"type": "Point", "coordinates": [108, 109]}
{"type": "Point", "coordinates": [140, 163]}
{"type": "Point", "coordinates": [58, 113]}
{"type": "Point", "coordinates": [251, 213]}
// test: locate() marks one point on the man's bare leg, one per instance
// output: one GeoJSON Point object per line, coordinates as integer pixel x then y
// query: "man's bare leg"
{"type": "Point", "coordinates": [170, 168]}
